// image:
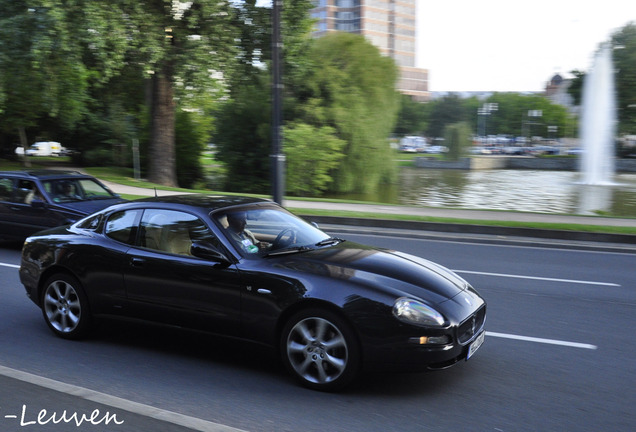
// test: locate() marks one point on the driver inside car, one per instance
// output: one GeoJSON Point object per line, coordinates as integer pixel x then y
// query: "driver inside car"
{"type": "Point", "coordinates": [244, 237]}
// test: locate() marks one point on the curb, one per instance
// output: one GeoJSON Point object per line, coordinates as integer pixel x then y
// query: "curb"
{"type": "Point", "coordinates": [625, 239]}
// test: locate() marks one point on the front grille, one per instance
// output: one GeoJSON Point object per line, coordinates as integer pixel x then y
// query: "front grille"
{"type": "Point", "coordinates": [471, 326]}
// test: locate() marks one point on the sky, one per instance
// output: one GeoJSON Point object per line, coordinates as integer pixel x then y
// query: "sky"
{"type": "Point", "coordinates": [511, 45]}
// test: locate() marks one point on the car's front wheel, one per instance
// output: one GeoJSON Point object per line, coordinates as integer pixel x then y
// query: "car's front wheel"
{"type": "Point", "coordinates": [320, 349]}
{"type": "Point", "coordinates": [65, 307]}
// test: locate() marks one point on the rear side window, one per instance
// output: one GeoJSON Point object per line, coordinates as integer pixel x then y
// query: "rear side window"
{"type": "Point", "coordinates": [24, 192]}
{"type": "Point", "coordinates": [6, 188]}
{"type": "Point", "coordinates": [91, 223]}
{"type": "Point", "coordinates": [122, 226]}
{"type": "Point", "coordinates": [173, 231]}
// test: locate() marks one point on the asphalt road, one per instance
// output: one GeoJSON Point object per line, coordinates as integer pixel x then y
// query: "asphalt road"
{"type": "Point", "coordinates": [559, 356]}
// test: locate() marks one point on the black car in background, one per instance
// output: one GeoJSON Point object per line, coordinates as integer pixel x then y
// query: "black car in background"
{"type": "Point", "coordinates": [31, 201]}
{"type": "Point", "coordinates": [247, 268]}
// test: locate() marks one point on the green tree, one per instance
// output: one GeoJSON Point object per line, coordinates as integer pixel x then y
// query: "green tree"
{"type": "Point", "coordinates": [243, 134]}
{"type": "Point", "coordinates": [41, 68]}
{"type": "Point", "coordinates": [253, 42]}
{"type": "Point", "coordinates": [351, 87]}
{"type": "Point", "coordinates": [190, 138]}
{"type": "Point", "coordinates": [412, 117]}
{"type": "Point", "coordinates": [624, 41]}
{"type": "Point", "coordinates": [446, 111]}
{"type": "Point", "coordinates": [178, 44]}
{"type": "Point", "coordinates": [576, 87]}
{"type": "Point", "coordinates": [243, 137]}
{"type": "Point", "coordinates": [456, 138]}
{"type": "Point", "coordinates": [511, 117]}
{"type": "Point", "coordinates": [61, 56]}
{"type": "Point", "coordinates": [312, 153]}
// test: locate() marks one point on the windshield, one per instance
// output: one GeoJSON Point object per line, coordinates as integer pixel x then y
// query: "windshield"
{"type": "Point", "coordinates": [72, 190]}
{"type": "Point", "coordinates": [261, 231]}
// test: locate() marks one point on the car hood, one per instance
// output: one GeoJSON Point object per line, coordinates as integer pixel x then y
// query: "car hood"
{"type": "Point", "coordinates": [386, 270]}
{"type": "Point", "coordinates": [89, 206]}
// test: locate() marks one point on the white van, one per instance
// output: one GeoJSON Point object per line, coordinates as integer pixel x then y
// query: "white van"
{"type": "Point", "coordinates": [43, 148]}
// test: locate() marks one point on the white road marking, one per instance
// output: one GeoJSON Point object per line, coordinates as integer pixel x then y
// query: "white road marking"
{"type": "Point", "coordinates": [573, 281]}
{"type": "Point", "coordinates": [116, 402]}
{"type": "Point", "coordinates": [10, 265]}
{"type": "Point", "coordinates": [541, 340]}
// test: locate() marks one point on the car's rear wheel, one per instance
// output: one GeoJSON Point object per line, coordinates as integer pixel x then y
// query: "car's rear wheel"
{"type": "Point", "coordinates": [320, 349]}
{"type": "Point", "coordinates": [65, 307]}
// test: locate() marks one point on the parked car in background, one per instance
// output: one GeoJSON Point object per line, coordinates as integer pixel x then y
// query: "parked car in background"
{"type": "Point", "coordinates": [437, 149]}
{"type": "Point", "coordinates": [510, 150]}
{"type": "Point", "coordinates": [31, 201]}
{"type": "Point", "coordinates": [248, 269]}
{"type": "Point", "coordinates": [413, 144]}
{"type": "Point", "coordinates": [479, 150]}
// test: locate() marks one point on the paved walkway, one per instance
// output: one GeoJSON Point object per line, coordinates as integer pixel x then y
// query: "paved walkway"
{"type": "Point", "coordinates": [420, 211]}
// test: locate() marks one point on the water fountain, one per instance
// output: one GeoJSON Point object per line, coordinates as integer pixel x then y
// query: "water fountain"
{"type": "Point", "coordinates": [598, 121]}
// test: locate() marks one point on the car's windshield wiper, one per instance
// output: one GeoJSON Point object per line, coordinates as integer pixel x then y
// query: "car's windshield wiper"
{"type": "Point", "coordinates": [295, 249]}
{"type": "Point", "coordinates": [290, 250]}
{"type": "Point", "coordinates": [329, 241]}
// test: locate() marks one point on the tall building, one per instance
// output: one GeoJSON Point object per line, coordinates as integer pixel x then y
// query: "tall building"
{"type": "Point", "coordinates": [556, 90]}
{"type": "Point", "coordinates": [387, 24]}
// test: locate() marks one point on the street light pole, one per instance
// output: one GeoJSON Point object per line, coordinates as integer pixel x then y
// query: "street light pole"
{"type": "Point", "coordinates": [484, 111]}
{"type": "Point", "coordinates": [481, 113]}
{"type": "Point", "coordinates": [533, 114]}
{"type": "Point", "coordinates": [277, 157]}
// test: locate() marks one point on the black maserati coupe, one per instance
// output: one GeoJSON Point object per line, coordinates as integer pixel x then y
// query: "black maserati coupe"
{"type": "Point", "coordinates": [249, 269]}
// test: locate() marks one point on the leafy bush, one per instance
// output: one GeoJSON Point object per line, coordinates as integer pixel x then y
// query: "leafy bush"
{"type": "Point", "coordinates": [98, 157]}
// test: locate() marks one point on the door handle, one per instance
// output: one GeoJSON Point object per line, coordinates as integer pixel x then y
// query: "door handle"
{"type": "Point", "coordinates": [137, 262]}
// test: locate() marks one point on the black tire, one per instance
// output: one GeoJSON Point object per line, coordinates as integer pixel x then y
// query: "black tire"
{"type": "Point", "coordinates": [65, 307]}
{"type": "Point", "coordinates": [320, 349]}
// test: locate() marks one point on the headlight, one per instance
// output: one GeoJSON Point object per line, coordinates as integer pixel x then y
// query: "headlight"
{"type": "Point", "coordinates": [415, 312]}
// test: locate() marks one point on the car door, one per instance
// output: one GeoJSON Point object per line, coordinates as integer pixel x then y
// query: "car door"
{"type": "Point", "coordinates": [6, 191]}
{"type": "Point", "coordinates": [165, 283]}
{"type": "Point", "coordinates": [19, 218]}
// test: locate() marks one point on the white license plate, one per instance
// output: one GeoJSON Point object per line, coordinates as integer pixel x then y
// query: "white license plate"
{"type": "Point", "coordinates": [476, 344]}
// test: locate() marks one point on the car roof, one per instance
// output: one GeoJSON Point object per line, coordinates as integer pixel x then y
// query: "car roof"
{"type": "Point", "coordinates": [203, 201]}
{"type": "Point", "coordinates": [45, 174]}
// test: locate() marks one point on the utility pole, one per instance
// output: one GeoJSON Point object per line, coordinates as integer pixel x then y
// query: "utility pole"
{"type": "Point", "coordinates": [277, 157]}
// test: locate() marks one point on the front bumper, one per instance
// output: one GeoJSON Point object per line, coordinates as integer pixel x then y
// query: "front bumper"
{"type": "Point", "coordinates": [404, 350]}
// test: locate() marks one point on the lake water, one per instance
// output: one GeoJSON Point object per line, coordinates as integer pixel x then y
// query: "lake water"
{"type": "Point", "coordinates": [516, 190]}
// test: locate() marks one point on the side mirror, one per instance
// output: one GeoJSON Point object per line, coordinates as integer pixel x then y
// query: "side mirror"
{"type": "Point", "coordinates": [207, 251]}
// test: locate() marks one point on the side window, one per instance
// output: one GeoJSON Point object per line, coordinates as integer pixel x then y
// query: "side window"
{"type": "Point", "coordinates": [6, 188]}
{"type": "Point", "coordinates": [25, 192]}
{"type": "Point", "coordinates": [91, 223]}
{"type": "Point", "coordinates": [65, 190]}
{"type": "Point", "coordinates": [173, 231]}
{"type": "Point", "coordinates": [121, 226]}
{"type": "Point", "coordinates": [92, 190]}
{"type": "Point", "coordinates": [48, 188]}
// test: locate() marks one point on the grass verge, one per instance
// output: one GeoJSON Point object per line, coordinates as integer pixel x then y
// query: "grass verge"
{"type": "Point", "coordinates": [607, 229]}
